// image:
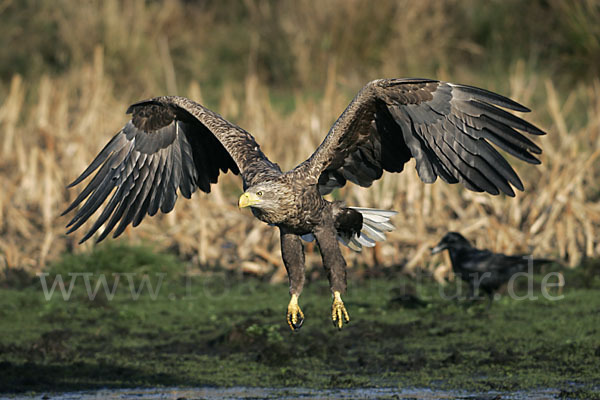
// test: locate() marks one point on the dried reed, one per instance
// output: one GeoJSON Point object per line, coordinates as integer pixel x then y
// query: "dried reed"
{"type": "Point", "coordinates": [46, 145]}
{"type": "Point", "coordinates": [52, 127]}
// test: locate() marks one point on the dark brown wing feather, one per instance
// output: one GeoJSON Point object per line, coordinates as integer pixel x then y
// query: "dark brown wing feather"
{"type": "Point", "coordinates": [170, 145]}
{"type": "Point", "coordinates": [447, 128]}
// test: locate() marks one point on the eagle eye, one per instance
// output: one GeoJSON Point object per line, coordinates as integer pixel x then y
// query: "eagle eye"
{"type": "Point", "coordinates": [259, 193]}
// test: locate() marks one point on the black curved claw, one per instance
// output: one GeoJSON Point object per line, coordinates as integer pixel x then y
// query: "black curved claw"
{"type": "Point", "coordinates": [298, 324]}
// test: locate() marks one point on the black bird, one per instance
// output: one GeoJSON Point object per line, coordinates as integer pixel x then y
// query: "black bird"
{"type": "Point", "coordinates": [173, 146]}
{"type": "Point", "coordinates": [482, 269]}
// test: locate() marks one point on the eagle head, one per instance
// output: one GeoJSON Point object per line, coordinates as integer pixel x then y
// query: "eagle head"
{"type": "Point", "coordinates": [268, 200]}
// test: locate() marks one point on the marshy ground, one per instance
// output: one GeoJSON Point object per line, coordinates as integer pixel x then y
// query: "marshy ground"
{"type": "Point", "coordinates": [226, 330]}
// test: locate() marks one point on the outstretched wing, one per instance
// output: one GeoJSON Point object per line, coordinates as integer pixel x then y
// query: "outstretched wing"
{"type": "Point", "coordinates": [170, 144]}
{"type": "Point", "coordinates": [447, 128]}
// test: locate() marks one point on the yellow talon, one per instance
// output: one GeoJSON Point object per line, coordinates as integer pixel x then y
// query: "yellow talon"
{"type": "Point", "coordinates": [295, 316]}
{"type": "Point", "coordinates": [338, 311]}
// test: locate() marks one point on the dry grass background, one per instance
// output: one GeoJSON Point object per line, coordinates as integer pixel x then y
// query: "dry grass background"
{"type": "Point", "coordinates": [53, 122]}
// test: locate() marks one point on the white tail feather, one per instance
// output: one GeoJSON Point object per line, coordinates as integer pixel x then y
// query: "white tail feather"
{"type": "Point", "coordinates": [375, 224]}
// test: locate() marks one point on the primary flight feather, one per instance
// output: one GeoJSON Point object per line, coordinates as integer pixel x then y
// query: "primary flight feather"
{"type": "Point", "coordinates": [173, 145]}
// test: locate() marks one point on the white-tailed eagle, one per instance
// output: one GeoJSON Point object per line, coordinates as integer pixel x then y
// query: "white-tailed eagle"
{"type": "Point", "coordinates": [173, 145]}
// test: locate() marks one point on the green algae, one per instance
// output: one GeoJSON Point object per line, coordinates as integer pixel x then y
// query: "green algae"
{"type": "Point", "coordinates": [218, 329]}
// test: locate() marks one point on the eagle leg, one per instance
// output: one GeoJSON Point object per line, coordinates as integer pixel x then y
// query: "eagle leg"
{"type": "Point", "coordinates": [292, 253]}
{"type": "Point", "coordinates": [338, 310]}
{"type": "Point", "coordinates": [335, 265]}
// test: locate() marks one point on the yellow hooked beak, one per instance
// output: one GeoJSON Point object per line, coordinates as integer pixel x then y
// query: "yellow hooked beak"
{"type": "Point", "coordinates": [248, 199]}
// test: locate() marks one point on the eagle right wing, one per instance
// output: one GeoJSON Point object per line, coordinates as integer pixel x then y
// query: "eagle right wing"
{"type": "Point", "coordinates": [170, 144]}
{"type": "Point", "coordinates": [449, 129]}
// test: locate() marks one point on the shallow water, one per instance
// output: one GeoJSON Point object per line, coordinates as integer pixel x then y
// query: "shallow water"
{"type": "Point", "coordinates": [287, 393]}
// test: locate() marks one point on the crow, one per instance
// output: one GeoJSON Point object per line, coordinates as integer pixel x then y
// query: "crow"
{"type": "Point", "coordinates": [482, 269]}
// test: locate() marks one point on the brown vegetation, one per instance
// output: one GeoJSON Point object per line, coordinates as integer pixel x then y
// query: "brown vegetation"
{"type": "Point", "coordinates": [51, 126]}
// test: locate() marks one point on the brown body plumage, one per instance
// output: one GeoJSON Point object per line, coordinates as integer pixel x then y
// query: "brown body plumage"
{"type": "Point", "coordinates": [173, 145]}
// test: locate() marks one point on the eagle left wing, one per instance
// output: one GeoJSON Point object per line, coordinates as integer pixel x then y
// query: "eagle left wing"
{"type": "Point", "coordinates": [170, 145]}
{"type": "Point", "coordinates": [446, 127]}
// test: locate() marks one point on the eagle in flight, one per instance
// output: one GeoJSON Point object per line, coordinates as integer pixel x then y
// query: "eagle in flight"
{"type": "Point", "coordinates": [172, 144]}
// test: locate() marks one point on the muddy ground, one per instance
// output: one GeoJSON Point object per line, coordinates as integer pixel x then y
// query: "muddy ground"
{"type": "Point", "coordinates": [226, 330]}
